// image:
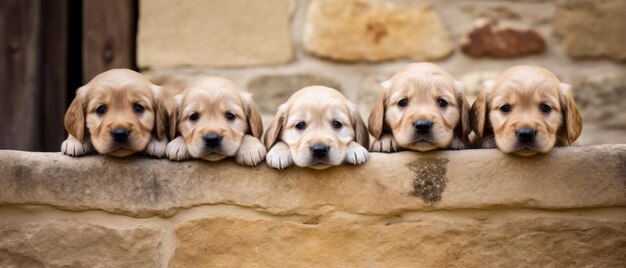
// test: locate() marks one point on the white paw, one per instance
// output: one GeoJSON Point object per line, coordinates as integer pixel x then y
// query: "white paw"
{"type": "Point", "coordinates": [386, 144]}
{"type": "Point", "coordinates": [73, 147]}
{"type": "Point", "coordinates": [356, 154]}
{"type": "Point", "coordinates": [251, 152]}
{"type": "Point", "coordinates": [156, 147]}
{"type": "Point", "coordinates": [457, 144]}
{"type": "Point", "coordinates": [177, 149]}
{"type": "Point", "coordinates": [279, 156]}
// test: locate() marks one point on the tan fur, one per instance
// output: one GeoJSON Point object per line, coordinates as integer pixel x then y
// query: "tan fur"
{"type": "Point", "coordinates": [317, 107]}
{"type": "Point", "coordinates": [525, 89]}
{"type": "Point", "coordinates": [117, 90]}
{"type": "Point", "coordinates": [421, 84]}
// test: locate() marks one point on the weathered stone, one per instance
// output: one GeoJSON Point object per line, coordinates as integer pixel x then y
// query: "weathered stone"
{"type": "Point", "coordinates": [496, 13]}
{"type": "Point", "coordinates": [59, 243]}
{"type": "Point", "coordinates": [474, 82]}
{"type": "Point", "coordinates": [213, 33]}
{"type": "Point", "coordinates": [270, 91]}
{"type": "Point", "coordinates": [354, 30]}
{"type": "Point", "coordinates": [417, 240]}
{"type": "Point", "coordinates": [592, 28]}
{"type": "Point", "coordinates": [570, 177]}
{"type": "Point", "coordinates": [369, 90]}
{"type": "Point", "coordinates": [487, 39]}
{"type": "Point", "coordinates": [601, 99]}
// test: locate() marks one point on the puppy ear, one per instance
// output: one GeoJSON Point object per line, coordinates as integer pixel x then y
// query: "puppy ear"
{"type": "Point", "coordinates": [160, 113]}
{"type": "Point", "coordinates": [74, 120]}
{"type": "Point", "coordinates": [272, 133]}
{"type": "Point", "coordinates": [478, 113]}
{"type": "Point", "coordinates": [361, 136]}
{"type": "Point", "coordinates": [255, 123]}
{"type": "Point", "coordinates": [377, 116]}
{"type": "Point", "coordinates": [174, 115]}
{"type": "Point", "coordinates": [572, 120]}
{"type": "Point", "coordinates": [463, 128]}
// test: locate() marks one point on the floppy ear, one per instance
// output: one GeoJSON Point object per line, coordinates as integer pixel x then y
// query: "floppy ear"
{"type": "Point", "coordinates": [463, 128]}
{"type": "Point", "coordinates": [572, 120]}
{"type": "Point", "coordinates": [361, 136]}
{"type": "Point", "coordinates": [160, 113]}
{"type": "Point", "coordinates": [255, 123]}
{"type": "Point", "coordinates": [74, 120]}
{"type": "Point", "coordinates": [377, 116]}
{"type": "Point", "coordinates": [478, 112]}
{"type": "Point", "coordinates": [272, 133]}
{"type": "Point", "coordinates": [174, 115]}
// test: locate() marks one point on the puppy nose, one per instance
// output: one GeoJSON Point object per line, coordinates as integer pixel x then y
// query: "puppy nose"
{"type": "Point", "coordinates": [212, 140]}
{"type": "Point", "coordinates": [319, 150]}
{"type": "Point", "coordinates": [422, 126]}
{"type": "Point", "coordinates": [120, 134]}
{"type": "Point", "coordinates": [525, 135]}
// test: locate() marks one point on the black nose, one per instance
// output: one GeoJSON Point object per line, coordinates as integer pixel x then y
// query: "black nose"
{"type": "Point", "coordinates": [319, 150]}
{"type": "Point", "coordinates": [212, 140]}
{"type": "Point", "coordinates": [422, 126]}
{"type": "Point", "coordinates": [525, 135]}
{"type": "Point", "coordinates": [120, 134]}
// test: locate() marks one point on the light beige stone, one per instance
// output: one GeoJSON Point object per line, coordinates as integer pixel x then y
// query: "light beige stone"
{"type": "Point", "coordinates": [59, 243]}
{"type": "Point", "coordinates": [566, 178]}
{"type": "Point", "coordinates": [474, 82]}
{"type": "Point", "coordinates": [424, 241]}
{"type": "Point", "coordinates": [213, 33]}
{"type": "Point", "coordinates": [354, 30]}
{"type": "Point", "coordinates": [592, 28]}
{"type": "Point", "coordinates": [601, 99]}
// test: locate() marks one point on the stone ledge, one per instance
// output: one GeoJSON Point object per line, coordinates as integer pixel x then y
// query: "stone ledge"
{"type": "Point", "coordinates": [567, 178]}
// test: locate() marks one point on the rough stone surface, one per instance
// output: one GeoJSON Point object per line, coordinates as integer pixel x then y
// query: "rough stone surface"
{"type": "Point", "coordinates": [474, 82]}
{"type": "Point", "coordinates": [57, 243]}
{"type": "Point", "coordinates": [602, 99]}
{"type": "Point", "coordinates": [213, 33]}
{"type": "Point", "coordinates": [571, 177]}
{"type": "Point", "coordinates": [354, 30]}
{"type": "Point", "coordinates": [592, 28]}
{"type": "Point", "coordinates": [414, 241]}
{"type": "Point", "coordinates": [270, 91]}
{"type": "Point", "coordinates": [487, 39]}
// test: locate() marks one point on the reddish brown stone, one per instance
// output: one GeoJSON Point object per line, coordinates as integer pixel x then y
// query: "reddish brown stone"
{"type": "Point", "coordinates": [489, 40]}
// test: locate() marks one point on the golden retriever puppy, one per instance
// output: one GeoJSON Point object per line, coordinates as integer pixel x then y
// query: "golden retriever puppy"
{"type": "Point", "coordinates": [214, 119]}
{"type": "Point", "coordinates": [317, 127]}
{"type": "Point", "coordinates": [118, 113]}
{"type": "Point", "coordinates": [524, 111]}
{"type": "Point", "coordinates": [422, 108]}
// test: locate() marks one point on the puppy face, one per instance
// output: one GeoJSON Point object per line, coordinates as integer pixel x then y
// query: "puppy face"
{"type": "Point", "coordinates": [212, 116]}
{"type": "Point", "coordinates": [423, 107]}
{"type": "Point", "coordinates": [317, 123]}
{"type": "Point", "coordinates": [118, 110]}
{"type": "Point", "coordinates": [528, 110]}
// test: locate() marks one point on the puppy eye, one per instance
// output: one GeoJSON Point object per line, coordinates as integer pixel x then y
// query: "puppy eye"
{"type": "Point", "coordinates": [101, 109]}
{"type": "Point", "coordinates": [301, 125]}
{"type": "Point", "coordinates": [505, 108]}
{"type": "Point", "coordinates": [194, 117]}
{"type": "Point", "coordinates": [403, 102]}
{"type": "Point", "coordinates": [545, 108]}
{"type": "Point", "coordinates": [442, 103]}
{"type": "Point", "coordinates": [138, 108]}
{"type": "Point", "coordinates": [230, 116]}
{"type": "Point", "coordinates": [337, 124]}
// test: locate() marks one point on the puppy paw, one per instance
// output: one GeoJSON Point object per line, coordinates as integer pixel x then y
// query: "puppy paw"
{"type": "Point", "coordinates": [73, 147]}
{"type": "Point", "coordinates": [279, 156]}
{"type": "Point", "coordinates": [356, 154]}
{"type": "Point", "coordinates": [156, 147]}
{"type": "Point", "coordinates": [251, 152]}
{"type": "Point", "coordinates": [457, 144]}
{"type": "Point", "coordinates": [177, 149]}
{"type": "Point", "coordinates": [386, 144]}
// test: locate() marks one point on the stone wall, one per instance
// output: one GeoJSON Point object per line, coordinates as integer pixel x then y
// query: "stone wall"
{"type": "Point", "coordinates": [471, 208]}
{"type": "Point", "coordinates": [275, 47]}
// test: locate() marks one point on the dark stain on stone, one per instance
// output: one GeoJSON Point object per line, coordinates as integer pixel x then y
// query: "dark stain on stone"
{"type": "Point", "coordinates": [430, 178]}
{"type": "Point", "coordinates": [378, 30]}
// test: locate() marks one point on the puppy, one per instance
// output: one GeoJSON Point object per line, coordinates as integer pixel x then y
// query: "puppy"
{"type": "Point", "coordinates": [317, 127]}
{"type": "Point", "coordinates": [525, 111]}
{"type": "Point", "coordinates": [422, 108]}
{"type": "Point", "coordinates": [118, 113]}
{"type": "Point", "coordinates": [213, 119]}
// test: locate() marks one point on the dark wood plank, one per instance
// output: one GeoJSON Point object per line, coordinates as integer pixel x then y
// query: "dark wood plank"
{"type": "Point", "coordinates": [108, 36]}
